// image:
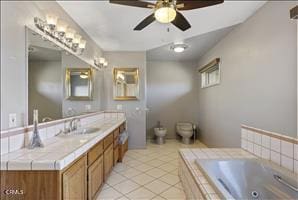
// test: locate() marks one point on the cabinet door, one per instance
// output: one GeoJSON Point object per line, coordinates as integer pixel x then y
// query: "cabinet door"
{"type": "Point", "coordinates": [95, 178]}
{"type": "Point", "coordinates": [108, 161]}
{"type": "Point", "coordinates": [116, 155]}
{"type": "Point", "coordinates": [75, 181]}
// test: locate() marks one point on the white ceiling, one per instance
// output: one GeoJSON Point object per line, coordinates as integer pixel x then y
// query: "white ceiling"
{"type": "Point", "coordinates": [111, 26]}
{"type": "Point", "coordinates": [197, 47]}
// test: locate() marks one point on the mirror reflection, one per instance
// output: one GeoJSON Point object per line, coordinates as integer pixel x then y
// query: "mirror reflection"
{"type": "Point", "coordinates": [126, 83]}
{"type": "Point", "coordinates": [49, 90]}
{"type": "Point", "coordinates": [79, 84]}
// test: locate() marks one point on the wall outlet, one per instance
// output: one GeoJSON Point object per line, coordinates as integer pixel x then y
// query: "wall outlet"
{"type": "Point", "coordinates": [12, 120]}
{"type": "Point", "coordinates": [119, 107]}
{"type": "Point", "coordinates": [88, 107]}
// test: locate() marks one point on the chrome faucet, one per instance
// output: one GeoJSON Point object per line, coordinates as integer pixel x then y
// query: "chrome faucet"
{"type": "Point", "coordinates": [73, 124]}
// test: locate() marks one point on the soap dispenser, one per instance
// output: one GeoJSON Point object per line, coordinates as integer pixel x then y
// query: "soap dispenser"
{"type": "Point", "coordinates": [35, 141]}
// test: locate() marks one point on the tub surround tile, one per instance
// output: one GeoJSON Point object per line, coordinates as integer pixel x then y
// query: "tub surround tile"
{"type": "Point", "coordinates": [274, 147]}
{"type": "Point", "coordinates": [266, 141]}
{"type": "Point", "coordinates": [257, 150]}
{"type": "Point", "coordinates": [275, 157]}
{"type": "Point", "coordinates": [275, 144]}
{"type": "Point", "coordinates": [265, 153]}
{"type": "Point", "coordinates": [287, 149]}
{"type": "Point", "coordinates": [287, 163]}
{"type": "Point", "coordinates": [296, 166]}
{"type": "Point", "coordinates": [258, 138]}
{"type": "Point", "coordinates": [296, 151]}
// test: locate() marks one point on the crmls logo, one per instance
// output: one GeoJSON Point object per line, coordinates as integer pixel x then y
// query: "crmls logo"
{"type": "Point", "coordinates": [13, 192]}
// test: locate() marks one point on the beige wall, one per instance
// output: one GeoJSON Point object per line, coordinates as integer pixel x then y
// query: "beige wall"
{"type": "Point", "coordinates": [172, 91]}
{"type": "Point", "coordinates": [45, 89]}
{"type": "Point", "coordinates": [14, 17]}
{"type": "Point", "coordinates": [258, 79]}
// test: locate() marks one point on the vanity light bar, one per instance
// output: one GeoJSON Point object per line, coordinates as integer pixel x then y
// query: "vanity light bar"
{"type": "Point", "coordinates": [101, 62]}
{"type": "Point", "coordinates": [61, 32]}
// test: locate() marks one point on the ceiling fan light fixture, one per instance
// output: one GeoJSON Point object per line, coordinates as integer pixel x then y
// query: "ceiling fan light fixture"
{"type": "Point", "coordinates": [165, 14]}
{"type": "Point", "coordinates": [179, 48]}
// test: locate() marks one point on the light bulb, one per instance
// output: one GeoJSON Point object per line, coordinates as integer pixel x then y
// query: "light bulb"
{"type": "Point", "coordinates": [77, 39]}
{"type": "Point", "coordinates": [51, 21]}
{"type": "Point", "coordinates": [61, 27]}
{"type": "Point", "coordinates": [82, 44]}
{"type": "Point", "coordinates": [102, 60]}
{"type": "Point", "coordinates": [179, 49]}
{"type": "Point", "coordinates": [69, 35]}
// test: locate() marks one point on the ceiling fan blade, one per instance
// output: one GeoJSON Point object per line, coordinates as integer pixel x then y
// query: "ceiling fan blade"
{"type": "Point", "coordinates": [194, 4]}
{"type": "Point", "coordinates": [181, 22]}
{"type": "Point", "coordinates": [148, 20]}
{"type": "Point", "coordinates": [135, 3]}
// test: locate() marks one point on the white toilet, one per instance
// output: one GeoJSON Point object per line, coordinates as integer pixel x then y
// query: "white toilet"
{"type": "Point", "coordinates": [185, 129]}
{"type": "Point", "coordinates": [160, 135]}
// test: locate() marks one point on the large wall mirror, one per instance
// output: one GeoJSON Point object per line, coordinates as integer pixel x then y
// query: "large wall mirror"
{"type": "Point", "coordinates": [59, 83]}
{"type": "Point", "coordinates": [126, 83]}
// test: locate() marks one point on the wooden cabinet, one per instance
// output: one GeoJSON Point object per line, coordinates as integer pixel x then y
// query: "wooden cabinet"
{"type": "Point", "coordinates": [95, 178]}
{"type": "Point", "coordinates": [108, 161]}
{"type": "Point", "coordinates": [116, 155]}
{"type": "Point", "coordinates": [116, 133]}
{"type": "Point", "coordinates": [122, 127]}
{"type": "Point", "coordinates": [95, 152]}
{"type": "Point", "coordinates": [80, 180]}
{"type": "Point", "coordinates": [108, 140]}
{"type": "Point", "coordinates": [74, 180]}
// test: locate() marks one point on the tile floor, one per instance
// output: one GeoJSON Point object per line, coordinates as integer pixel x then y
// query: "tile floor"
{"type": "Point", "coordinates": [150, 173]}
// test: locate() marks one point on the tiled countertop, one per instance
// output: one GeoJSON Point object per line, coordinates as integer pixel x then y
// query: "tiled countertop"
{"type": "Point", "coordinates": [190, 155]}
{"type": "Point", "coordinates": [59, 151]}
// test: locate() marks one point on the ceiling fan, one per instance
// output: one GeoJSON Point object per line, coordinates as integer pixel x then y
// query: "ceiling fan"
{"type": "Point", "coordinates": [167, 11]}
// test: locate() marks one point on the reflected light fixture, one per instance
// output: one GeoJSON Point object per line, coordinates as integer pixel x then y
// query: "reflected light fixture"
{"type": "Point", "coordinates": [84, 75]}
{"type": "Point", "coordinates": [179, 48]}
{"type": "Point", "coordinates": [165, 12]}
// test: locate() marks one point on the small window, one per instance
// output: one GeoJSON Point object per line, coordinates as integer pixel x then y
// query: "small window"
{"type": "Point", "coordinates": [210, 74]}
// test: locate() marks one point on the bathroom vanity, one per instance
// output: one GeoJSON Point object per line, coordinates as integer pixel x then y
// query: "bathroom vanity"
{"type": "Point", "coordinates": [79, 174]}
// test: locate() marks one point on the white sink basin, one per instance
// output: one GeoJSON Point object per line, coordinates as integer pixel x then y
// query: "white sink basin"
{"type": "Point", "coordinates": [87, 130]}
{"type": "Point", "coordinates": [81, 131]}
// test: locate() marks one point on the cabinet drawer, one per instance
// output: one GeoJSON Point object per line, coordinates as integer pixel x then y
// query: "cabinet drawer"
{"type": "Point", "coordinates": [116, 132]}
{"type": "Point", "coordinates": [108, 140]}
{"type": "Point", "coordinates": [95, 152]}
